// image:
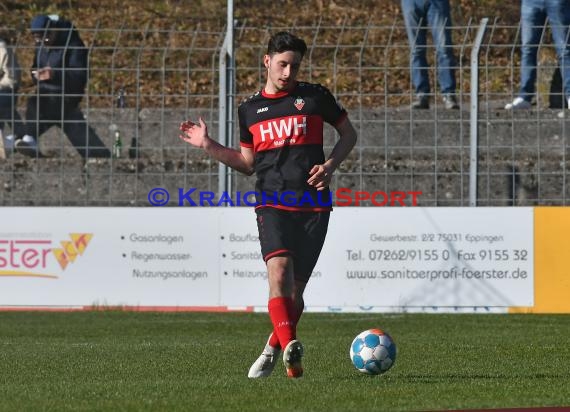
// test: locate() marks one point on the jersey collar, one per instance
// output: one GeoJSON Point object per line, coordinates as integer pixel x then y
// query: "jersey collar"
{"type": "Point", "coordinates": [278, 94]}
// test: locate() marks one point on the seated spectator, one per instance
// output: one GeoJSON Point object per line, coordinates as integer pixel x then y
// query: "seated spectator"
{"type": "Point", "coordinates": [60, 72]}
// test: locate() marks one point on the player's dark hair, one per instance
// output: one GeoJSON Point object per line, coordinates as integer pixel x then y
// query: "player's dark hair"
{"type": "Point", "coordinates": [285, 41]}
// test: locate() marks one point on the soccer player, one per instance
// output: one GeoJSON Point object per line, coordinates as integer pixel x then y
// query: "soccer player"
{"type": "Point", "coordinates": [281, 139]}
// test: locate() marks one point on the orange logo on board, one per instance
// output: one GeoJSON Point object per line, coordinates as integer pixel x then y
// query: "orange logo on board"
{"type": "Point", "coordinates": [71, 249]}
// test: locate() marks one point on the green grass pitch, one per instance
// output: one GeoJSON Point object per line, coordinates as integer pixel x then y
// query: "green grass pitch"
{"type": "Point", "coordinates": [128, 361]}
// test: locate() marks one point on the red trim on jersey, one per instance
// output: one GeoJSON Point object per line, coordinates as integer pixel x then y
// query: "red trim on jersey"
{"type": "Point", "coordinates": [297, 208]}
{"type": "Point", "coordinates": [278, 94]}
{"type": "Point", "coordinates": [248, 145]}
{"type": "Point", "coordinates": [287, 131]}
{"type": "Point", "coordinates": [278, 252]}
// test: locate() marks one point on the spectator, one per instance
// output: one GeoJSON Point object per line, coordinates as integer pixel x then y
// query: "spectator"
{"type": "Point", "coordinates": [418, 14]}
{"type": "Point", "coordinates": [533, 19]}
{"type": "Point", "coordinates": [9, 81]}
{"type": "Point", "coordinates": [59, 71]}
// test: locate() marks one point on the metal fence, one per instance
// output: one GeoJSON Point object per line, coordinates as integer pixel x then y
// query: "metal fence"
{"type": "Point", "coordinates": [166, 76]}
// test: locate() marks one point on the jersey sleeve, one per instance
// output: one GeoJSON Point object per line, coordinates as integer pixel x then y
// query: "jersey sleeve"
{"type": "Point", "coordinates": [332, 111]}
{"type": "Point", "coordinates": [245, 136]}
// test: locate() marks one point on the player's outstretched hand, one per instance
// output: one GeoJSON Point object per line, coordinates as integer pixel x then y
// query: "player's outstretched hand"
{"type": "Point", "coordinates": [194, 133]}
{"type": "Point", "coordinates": [320, 177]}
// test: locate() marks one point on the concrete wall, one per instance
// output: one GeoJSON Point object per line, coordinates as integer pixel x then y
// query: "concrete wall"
{"type": "Point", "coordinates": [522, 159]}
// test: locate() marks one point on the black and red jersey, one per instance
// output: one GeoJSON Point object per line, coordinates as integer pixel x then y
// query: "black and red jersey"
{"type": "Point", "coordinates": [285, 131]}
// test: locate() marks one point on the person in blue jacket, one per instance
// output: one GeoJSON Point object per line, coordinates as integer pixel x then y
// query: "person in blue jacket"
{"type": "Point", "coordinates": [60, 73]}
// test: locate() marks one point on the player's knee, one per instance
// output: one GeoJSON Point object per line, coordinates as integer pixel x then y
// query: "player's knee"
{"type": "Point", "coordinates": [280, 274]}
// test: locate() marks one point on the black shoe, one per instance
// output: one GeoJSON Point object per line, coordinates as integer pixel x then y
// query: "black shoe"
{"type": "Point", "coordinates": [27, 149]}
{"type": "Point", "coordinates": [421, 102]}
{"type": "Point", "coordinates": [450, 102]}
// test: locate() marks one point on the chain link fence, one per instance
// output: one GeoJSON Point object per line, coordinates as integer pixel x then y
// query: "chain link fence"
{"type": "Point", "coordinates": [144, 82]}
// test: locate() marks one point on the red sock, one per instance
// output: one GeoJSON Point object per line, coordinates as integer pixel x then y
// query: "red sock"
{"type": "Point", "coordinates": [273, 340]}
{"type": "Point", "coordinates": [282, 314]}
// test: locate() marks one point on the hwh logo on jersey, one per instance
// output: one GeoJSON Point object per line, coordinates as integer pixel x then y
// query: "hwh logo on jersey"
{"type": "Point", "coordinates": [284, 128]}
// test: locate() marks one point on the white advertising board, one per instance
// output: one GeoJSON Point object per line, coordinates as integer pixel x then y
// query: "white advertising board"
{"type": "Point", "coordinates": [210, 257]}
{"type": "Point", "coordinates": [427, 257]}
{"type": "Point", "coordinates": [137, 257]}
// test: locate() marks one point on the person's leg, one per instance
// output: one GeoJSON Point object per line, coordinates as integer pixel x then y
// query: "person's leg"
{"type": "Point", "coordinates": [533, 18]}
{"type": "Point", "coordinates": [558, 12]}
{"type": "Point", "coordinates": [281, 306]}
{"type": "Point", "coordinates": [284, 316]}
{"type": "Point", "coordinates": [308, 240]}
{"type": "Point", "coordinates": [291, 243]}
{"type": "Point", "coordinates": [415, 19]}
{"type": "Point", "coordinates": [42, 112]}
{"type": "Point", "coordinates": [439, 19]}
{"type": "Point", "coordinates": [9, 115]}
{"type": "Point", "coordinates": [81, 136]}
{"type": "Point", "coordinates": [5, 108]}
{"type": "Point", "coordinates": [5, 115]}
{"type": "Point", "coordinates": [298, 307]}
{"type": "Point", "coordinates": [274, 227]}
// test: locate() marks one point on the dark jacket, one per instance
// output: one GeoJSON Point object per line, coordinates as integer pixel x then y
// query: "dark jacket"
{"type": "Point", "coordinates": [68, 58]}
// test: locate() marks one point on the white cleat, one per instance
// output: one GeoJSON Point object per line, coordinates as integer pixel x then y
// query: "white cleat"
{"type": "Point", "coordinates": [265, 364]}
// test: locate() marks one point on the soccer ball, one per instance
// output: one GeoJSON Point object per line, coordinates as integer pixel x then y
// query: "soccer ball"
{"type": "Point", "coordinates": [373, 352]}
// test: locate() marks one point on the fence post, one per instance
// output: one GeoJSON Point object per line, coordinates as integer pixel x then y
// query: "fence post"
{"type": "Point", "coordinates": [226, 98]}
{"type": "Point", "coordinates": [474, 118]}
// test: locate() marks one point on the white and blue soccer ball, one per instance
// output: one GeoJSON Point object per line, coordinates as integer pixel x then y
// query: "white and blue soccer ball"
{"type": "Point", "coordinates": [373, 352]}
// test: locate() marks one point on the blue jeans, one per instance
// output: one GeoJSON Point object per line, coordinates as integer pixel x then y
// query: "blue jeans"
{"type": "Point", "coordinates": [533, 19]}
{"type": "Point", "coordinates": [418, 15]}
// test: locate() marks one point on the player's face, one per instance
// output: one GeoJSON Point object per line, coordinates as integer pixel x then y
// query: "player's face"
{"type": "Point", "coordinates": [282, 69]}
